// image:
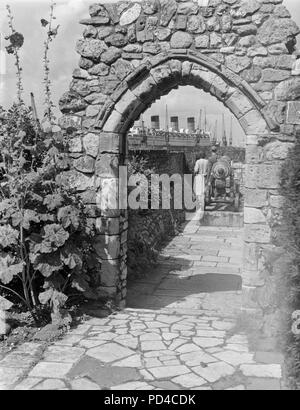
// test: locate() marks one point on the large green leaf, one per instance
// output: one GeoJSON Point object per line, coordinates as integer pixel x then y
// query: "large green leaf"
{"type": "Point", "coordinates": [68, 216]}
{"type": "Point", "coordinates": [53, 201]}
{"type": "Point", "coordinates": [71, 256]}
{"type": "Point", "coordinates": [9, 269]}
{"type": "Point", "coordinates": [8, 236]}
{"type": "Point", "coordinates": [54, 237]}
{"type": "Point", "coordinates": [45, 297]}
{"type": "Point", "coordinates": [48, 264]}
{"type": "Point", "coordinates": [46, 217]}
{"type": "Point", "coordinates": [55, 298]}
{"type": "Point", "coordinates": [5, 304]}
{"type": "Point", "coordinates": [25, 218]}
{"type": "Point", "coordinates": [5, 205]}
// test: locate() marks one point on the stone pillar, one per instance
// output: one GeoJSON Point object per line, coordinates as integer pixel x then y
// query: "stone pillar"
{"type": "Point", "coordinates": [256, 229]}
{"type": "Point", "coordinates": [110, 242]}
{"type": "Point", "coordinates": [265, 259]}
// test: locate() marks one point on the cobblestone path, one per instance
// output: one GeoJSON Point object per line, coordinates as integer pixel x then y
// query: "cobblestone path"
{"type": "Point", "coordinates": [179, 331]}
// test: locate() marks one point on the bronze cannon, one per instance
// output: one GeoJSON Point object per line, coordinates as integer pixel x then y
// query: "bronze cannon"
{"type": "Point", "coordinates": [222, 185]}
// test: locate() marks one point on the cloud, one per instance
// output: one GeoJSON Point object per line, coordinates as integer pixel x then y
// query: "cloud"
{"type": "Point", "coordinates": [67, 10]}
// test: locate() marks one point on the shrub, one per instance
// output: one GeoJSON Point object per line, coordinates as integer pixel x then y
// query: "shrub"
{"type": "Point", "coordinates": [44, 242]}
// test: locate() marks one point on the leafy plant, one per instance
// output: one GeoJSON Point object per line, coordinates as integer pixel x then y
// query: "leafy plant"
{"type": "Point", "coordinates": [44, 241]}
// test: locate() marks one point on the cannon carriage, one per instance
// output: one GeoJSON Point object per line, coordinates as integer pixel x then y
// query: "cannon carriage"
{"type": "Point", "coordinates": [222, 185]}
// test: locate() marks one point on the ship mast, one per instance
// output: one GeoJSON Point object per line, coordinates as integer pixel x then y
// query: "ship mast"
{"type": "Point", "coordinates": [144, 135]}
{"type": "Point", "coordinates": [224, 138]}
{"type": "Point", "coordinates": [230, 136]}
{"type": "Point", "coordinates": [167, 119]}
{"type": "Point", "coordinates": [167, 126]}
{"type": "Point", "coordinates": [200, 121]}
{"type": "Point", "coordinates": [214, 137]}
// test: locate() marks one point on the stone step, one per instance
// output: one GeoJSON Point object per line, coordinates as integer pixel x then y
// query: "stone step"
{"type": "Point", "coordinates": [226, 219]}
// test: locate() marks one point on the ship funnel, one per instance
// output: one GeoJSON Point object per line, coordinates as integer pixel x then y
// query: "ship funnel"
{"type": "Point", "coordinates": [191, 124]}
{"type": "Point", "coordinates": [175, 123]}
{"type": "Point", "coordinates": [155, 122]}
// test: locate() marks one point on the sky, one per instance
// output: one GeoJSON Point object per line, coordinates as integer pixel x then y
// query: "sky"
{"type": "Point", "coordinates": [185, 101]}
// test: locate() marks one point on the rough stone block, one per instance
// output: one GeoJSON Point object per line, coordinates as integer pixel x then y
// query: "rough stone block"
{"type": "Point", "coordinates": [70, 122]}
{"type": "Point", "coordinates": [204, 78]}
{"type": "Point", "coordinates": [91, 144]}
{"type": "Point", "coordinates": [293, 112]}
{"type": "Point", "coordinates": [237, 64]}
{"type": "Point", "coordinates": [109, 142]}
{"type": "Point", "coordinates": [288, 90]}
{"type": "Point", "coordinates": [107, 200]}
{"type": "Point", "coordinates": [130, 15]}
{"type": "Point", "coordinates": [219, 88]}
{"type": "Point", "coordinates": [257, 233]}
{"type": "Point", "coordinates": [145, 90]}
{"type": "Point", "coordinates": [85, 164]}
{"type": "Point", "coordinates": [277, 201]}
{"type": "Point", "coordinates": [202, 41]}
{"type": "Point", "coordinates": [91, 48]}
{"type": "Point", "coordinates": [254, 154]}
{"type": "Point", "coordinates": [253, 216]}
{"type": "Point", "coordinates": [269, 175]}
{"type": "Point", "coordinates": [75, 145]}
{"type": "Point", "coordinates": [277, 30]}
{"type": "Point", "coordinates": [107, 247]}
{"type": "Point", "coordinates": [238, 104]}
{"type": "Point", "coordinates": [252, 278]}
{"type": "Point", "coordinates": [128, 103]}
{"type": "Point", "coordinates": [256, 198]}
{"type": "Point", "coordinates": [273, 75]}
{"type": "Point", "coordinates": [253, 123]}
{"type": "Point", "coordinates": [76, 180]}
{"type": "Point", "coordinates": [250, 257]}
{"type": "Point", "coordinates": [168, 9]}
{"type": "Point", "coordinates": [262, 176]}
{"type": "Point", "coordinates": [277, 150]}
{"type": "Point", "coordinates": [109, 226]}
{"type": "Point", "coordinates": [107, 165]}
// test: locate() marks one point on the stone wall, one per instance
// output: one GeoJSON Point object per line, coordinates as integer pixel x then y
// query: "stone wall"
{"type": "Point", "coordinates": [148, 229]}
{"type": "Point", "coordinates": [163, 162]}
{"type": "Point", "coordinates": [147, 232]}
{"type": "Point", "coordinates": [241, 52]}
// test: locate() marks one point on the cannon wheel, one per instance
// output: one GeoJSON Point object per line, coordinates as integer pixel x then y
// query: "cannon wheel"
{"type": "Point", "coordinates": [208, 194]}
{"type": "Point", "coordinates": [237, 202]}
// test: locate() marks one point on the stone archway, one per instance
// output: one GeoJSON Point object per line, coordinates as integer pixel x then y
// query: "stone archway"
{"type": "Point", "coordinates": [241, 52]}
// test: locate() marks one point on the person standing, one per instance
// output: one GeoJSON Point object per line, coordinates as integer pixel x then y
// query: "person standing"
{"type": "Point", "coordinates": [200, 180]}
{"type": "Point", "coordinates": [212, 160]}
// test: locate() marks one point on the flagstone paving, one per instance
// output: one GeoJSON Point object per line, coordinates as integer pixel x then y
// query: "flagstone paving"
{"type": "Point", "coordinates": [177, 333]}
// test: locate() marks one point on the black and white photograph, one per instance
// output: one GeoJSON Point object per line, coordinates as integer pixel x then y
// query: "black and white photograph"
{"type": "Point", "coordinates": [150, 198]}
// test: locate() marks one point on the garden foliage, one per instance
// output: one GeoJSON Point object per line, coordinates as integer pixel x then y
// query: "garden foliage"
{"type": "Point", "coordinates": [44, 241]}
{"type": "Point", "coordinates": [45, 244]}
